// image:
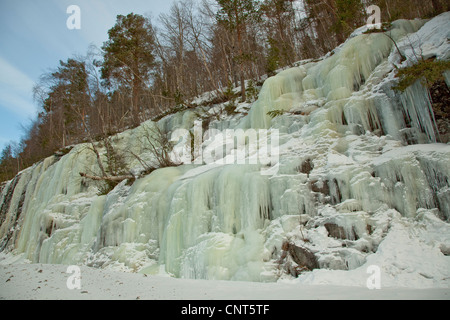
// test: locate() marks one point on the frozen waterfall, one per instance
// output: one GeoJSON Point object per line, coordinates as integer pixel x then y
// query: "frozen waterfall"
{"type": "Point", "coordinates": [355, 158]}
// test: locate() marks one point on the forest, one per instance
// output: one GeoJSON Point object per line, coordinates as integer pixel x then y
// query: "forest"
{"type": "Point", "coordinates": [150, 68]}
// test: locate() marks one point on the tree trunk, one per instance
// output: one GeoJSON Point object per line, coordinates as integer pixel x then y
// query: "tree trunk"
{"type": "Point", "coordinates": [241, 64]}
{"type": "Point", "coordinates": [107, 178]}
{"type": "Point", "coordinates": [135, 102]}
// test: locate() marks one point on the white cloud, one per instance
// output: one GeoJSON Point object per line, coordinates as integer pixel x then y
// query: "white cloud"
{"type": "Point", "coordinates": [41, 26]}
{"type": "Point", "coordinates": [16, 90]}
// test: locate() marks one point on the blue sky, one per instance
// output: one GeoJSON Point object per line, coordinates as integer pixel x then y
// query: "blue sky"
{"type": "Point", "coordinates": [34, 37]}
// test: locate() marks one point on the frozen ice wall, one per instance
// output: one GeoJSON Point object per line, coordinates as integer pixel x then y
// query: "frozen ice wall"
{"type": "Point", "coordinates": [352, 166]}
{"type": "Point", "coordinates": [350, 85]}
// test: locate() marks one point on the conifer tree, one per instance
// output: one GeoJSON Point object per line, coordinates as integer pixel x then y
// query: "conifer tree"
{"type": "Point", "coordinates": [128, 57]}
{"type": "Point", "coordinates": [235, 15]}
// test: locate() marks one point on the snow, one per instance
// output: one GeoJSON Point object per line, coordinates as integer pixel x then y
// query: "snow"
{"type": "Point", "coordinates": [410, 255]}
{"type": "Point", "coordinates": [436, 32]}
{"type": "Point", "coordinates": [417, 148]}
{"type": "Point", "coordinates": [49, 282]}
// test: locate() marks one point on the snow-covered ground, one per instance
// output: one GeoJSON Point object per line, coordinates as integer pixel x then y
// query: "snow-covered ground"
{"type": "Point", "coordinates": [42, 282]}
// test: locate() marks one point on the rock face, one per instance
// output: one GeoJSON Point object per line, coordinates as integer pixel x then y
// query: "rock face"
{"type": "Point", "coordinates": [337, 232]}
{"type": "Point", "coordinates": [440, 97]}
{"type": "Point", "coordinates": [297, 259]}
{"type": "Point", "coordinates": [357, 164]}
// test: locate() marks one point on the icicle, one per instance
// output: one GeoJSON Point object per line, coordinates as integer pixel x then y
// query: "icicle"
{"type": "Point", "coordinates": [334, 78]}
{"type": "Point", "coordinates": [233, 201]}
{"type": "Point", "coordinates": [408, 186]}
{"type": "Point", "coordinates": [417, 105]}
{"type": "Point", "coordinates": [280, 92]}
{"type": "Point", "coordinates": [447, 77]}
{"type": "Point", "coordinates": [229, 221]}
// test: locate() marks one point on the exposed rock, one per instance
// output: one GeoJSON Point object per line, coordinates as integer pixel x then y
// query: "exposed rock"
{"type": "Point", "coordinates": [320, 186]}
{"type": "Point", "coordinates": [298, 259]}
{"type": "Point", "coordinates": [339, 232]}
{"type": "Point", "coordinates": [335, 231]}
{"type": "Point", "coordinates": [306, 167]}
{"type": "Point", "coordinates": [440, 96]}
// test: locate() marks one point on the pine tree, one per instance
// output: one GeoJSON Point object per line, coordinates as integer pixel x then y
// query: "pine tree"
{"type": "Point", "coordinates": [7, 170]}
{"type": "Point", "coordinates": [128, 57]}
{"type": "Point", "coordinates": [67, 97]}
{"type": "Point", "coordinates": [279, 23]}
{"type": "Point", "coordinates": [235, 15]}
{"type": "Point", "coordinates": [350, 15]}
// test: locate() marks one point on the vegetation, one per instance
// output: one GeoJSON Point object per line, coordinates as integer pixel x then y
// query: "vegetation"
{"type": "Point", "coordinates": [430, 73]}
{"type": "Point", "coordinates": [276, 113]}
{"type": "Point", "coordinates": [150, 68]}
{"type": "Point", "coordinates": [235, 16]}
{"type": "Point", "coordinates": [427, 71]}
{"type": "Point", "coordinates": [128, 58]}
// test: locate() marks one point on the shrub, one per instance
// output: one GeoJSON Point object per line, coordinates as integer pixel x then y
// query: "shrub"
{"type": "Point", "coordinates": [427, 71]}
{"type": "Point", "coordinates": [276, 113]}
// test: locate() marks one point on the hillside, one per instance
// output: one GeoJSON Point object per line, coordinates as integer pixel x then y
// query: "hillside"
{"type": "Point", "coordinates": [332, 172]}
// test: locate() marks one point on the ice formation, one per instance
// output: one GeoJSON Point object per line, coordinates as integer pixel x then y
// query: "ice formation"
{"type": "Point", "coordinates": [360, 179]}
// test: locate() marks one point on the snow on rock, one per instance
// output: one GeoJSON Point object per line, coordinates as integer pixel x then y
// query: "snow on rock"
{"type": "Point", "coordinates": [411, 254]}
{"type": "Point", "coordinates": [360, 181]}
